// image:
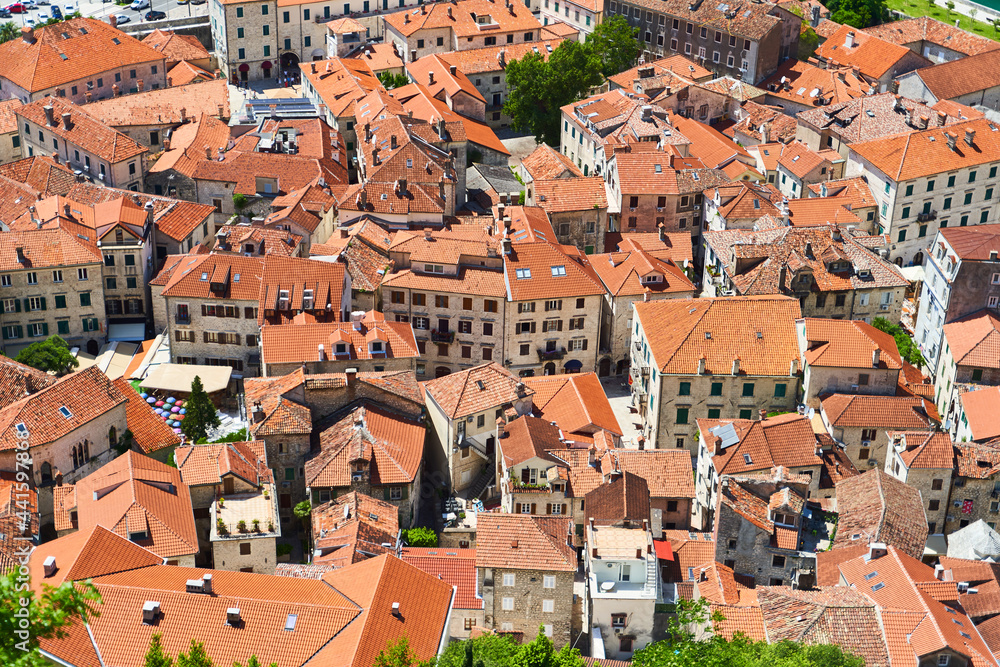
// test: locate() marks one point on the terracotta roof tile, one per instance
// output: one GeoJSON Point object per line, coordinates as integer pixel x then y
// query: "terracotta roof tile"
{"type": "Point", "coordinates": [470, 281]}
{"type": "Point", "coordinates": [583, 472]}
{"type": "Point", "coordinates": [980, 408]}
{"type": "Point", "coordinates": [561, 195]}
{"type": "Point", "coordinates": [391, 444]}
{"type": "Point", "coordinates": [89, 47]}
{"type": "Point", "coordinates": [174, 46]}
{"type": "Point", "coordinates": [872, 55]}
{"type": "Point", "coordinates": [208, 464]}
{"type": "Point", "coordinates": [925, 449]}
{"type": "Point", "coordinates": [545, 162]}
{"type": "Point", "coordinates": [676, 331]}
{"type": "Point", "coordinates": [193, 277]}
{"type": "Point", "coordinates": [977, 461]}
{"type": "Point", "coordinates": [766, 121]}
{"type": "Point", "coordinates": [456, 567]}
{"type": "Point", "coordinates": [164, 106]}
{"type": "Point", "coordinates": [149, 431]}
{"type": "Point", "coordinates": [786, 440]}
{"type": "Point", "coordinates": [691, 550]}
{"type": "Point", "coordinates": [340, 82]}
{"type": "Point", "coordinates": [624, 498]}
{"type": "Point", "coordinates": [925, 29]}
{"type": "Point", "coordinates": [462, 21]}
{"type": "Point", "coordinates": [973, 243]}
{"type": "Point", "coordinates": [882, 412]}
{"type": "Point", "coordinates": [854, 190]}
{"type": "Point", "coordinates": [802, 78]}
{"type": "Point", "coordinates": [8, 122]}
{"type": "Point", "coordinates": [576, 403]}
{"type": "Point", "coordinates": [18, 381]}
{"type": "Point", "coordinates": [398, 337]}
{"type": "Point", "coordinates": [744, 620]}
{"type": "Point", "coordinates": [676, 64]}
{"type": "Point", "coordinates": [352, 528]}
{"type": "Point", "coordinates": [85, 130]}
{"type": "Point", "coordinates": [524, 542]}
{"type": "Point", "coordinates": [875, 507]}
{"type": "Point", "coordinates": [975, 340]}
{"type": "Point", "coordinates": [667, 472]}
{"type": "Point", "coordinates": [184, 73]}
{"type": "Point", "coordinates": [957, 78]}
{"type": "Point", "coordinates": [871, 117]}
{"type": "Point", "coordinates": [420, 72]}
{"type": "Point", "coordinates": [475, 390]}
{"type": "Point", "coordinates": [752, 21]}
{"type": "Point", "coordinates": [622, 272]}
{"type": "Point", "coordinates": [848, 344]}
{"type": "Point", "coordinates": [542, 261]}
{"type": "Point", "coordinates": [530, 437]}
{"type": "Point", "coordinates": [136, 494]}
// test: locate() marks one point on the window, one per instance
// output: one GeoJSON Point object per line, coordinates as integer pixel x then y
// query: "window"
{"type": "Point", "coordinates": [487, 328]}
{"type": "Point", "coordinates": [862, 379]}
{"type": "Point", "coordinates": [777, 561]}
{"type": "Point", "coordinates": [936, 484]}
{"type": "Point", "coordinates": [440, 301]}
{"type": "Point", "coordinates": [682, 416]}
{"type": "Point", "coordinates": [716, 389]}
{"type": "Point", "coordinates": [508, 579]}
{"type": "Point", "coordinates": [748, 389]}
{"type": "Point", "coordinates": [933, 505]}
{"type": "Point", "coordinates": [239, 33]}
{"type": "Point", "coordinates": [548, 606]}
{"type": "Point", "coordinates": [779, 390]}
{"type": "Point", "coordinates": [244, 548]}
{"type": "Point", "coordinates": [81, 274]}
{"type": "Point", "coordinates": [684, 389]}
{"type": "Point", "coordinates": [548, 581]}
{"type": "Point", "coordinates": [508, 604]}
{"type": "Point", "coordinates": [263, 10]}
{"type": "Point", "coordinates": [85, 299]}
{"type": "Point", "coordinates": [239, 12]}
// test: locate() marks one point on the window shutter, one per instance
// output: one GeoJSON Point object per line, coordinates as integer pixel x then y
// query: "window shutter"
{"type": "Point", "coordinates": [27, 305]}
{"type": "Point", "coordinates": [4, 331]}
{"type": "Point", "coordinates": [248, 313]}
{"type": "Point", "coordinates": [204, 335]}
{"type": "Point", "coordinates": [517, 506]}
{"type": "Point", "coordinates": [1, 306]}
{"type": "Point", "coordinates": [204, 309]}
{"type": "Point", "coordinates": [532, 508]}
{"type": "Point", "coordinates": [19, 331]}
{"type": "Point", "coordinates": [532, 327]}
{"type": "Point", "coordinates": [43, 303]}
{"type": "Point", "coordinates": [406, 492]}
{"type": "Point", "coordinates": [45, 328]}
{"type": "Point", "coordinates": [385, 493]}
{"type": "Point", "coordinates": [559, 325]}
{"type": "Point", "coordinates": [17, 306]}
{"type": "Point", "coordinates": [585, 343]}
{"type": "Point", "coordinates": [548, 508]}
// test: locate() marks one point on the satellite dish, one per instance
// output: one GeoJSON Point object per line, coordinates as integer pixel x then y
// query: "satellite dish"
{"type": "Point", "coordinates": [814, 92]}
{"type": "Point", "coordinates": [784, 79]}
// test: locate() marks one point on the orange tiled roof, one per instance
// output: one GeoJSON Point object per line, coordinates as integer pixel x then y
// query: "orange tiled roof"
{"type": "Point", "coordinates": [676, 64]}
{"type": "Point", "coordinates": [463, 20]}
{"type": "Point", "coordinates": [980, 408]}
{"type": "Point", "coordinates": [624, 498]}
{"type": "Point", "coordinates": [854, 190]}
{"type": "Point", "coordinates": [786, 440]}
{"type": "Point", "coordinates": [975, 243]}
{"type": "Point", "coordinates": [883, 412]}
{"type": "Point", "coordinates": [174, 46]}
{"type": "Point", "coordinates": [956, 78]}
{"type": "Point", "coordinates": [925, 29]}
{"type": "Point", "coordinates": [524, 542]}
{"type": "Point", "coordinates": [667, 472]}
{"type": "Point", "coordinates": [391, 444]}
{"type": "Point", "coordinates": [486, 60]}
{"type": "Point", "coordinates": [420, 71]}
{"type": "Point", "coordinates": [457, 567]}
{"type": "Point", "coordinates": [533, 272]}
{"type": "Point", "coordinates": [975, 340]}
{"type": "Point", "coordinates": [353, 528]}
{"type": "Point", "coordinates": [136, 494]}
{"type": "Point", "coordinates": [917, 154]}
{"type": "Point", "coordinates": [691, 550]}
{"type": "Point", "coordinates": [339, 82]}
{"type": "Point", "coordinates": [480, 282]}
{"type": "Point", "coordinates": [18, 381]}
{"type": "Point", "coordinates": [763, 120]}
{"type": "Point", "coordinates": [149, 431]}
{"type": "Point", "coordinates": [876, 507]}
{"type": "Point", "coordinates": [379, 57]}
{"type": "Point", "coordinates": [576, 403]}
{"type": "Point", "coordinates": [802, 78]}
{"type": "Point", "coordinates": [977, 461]}
{"type": "Point", "coordinates": [622, 272]}
{"type": "Point", "coordinates": [849, 344]}
{"type": "Point", "coordinates": [208, 464]}
{"type": "Point", "coordinates": [925, 449]}
{"type": "Point", "coordinates": [561, 195]}
{"type": "Point", "coordinates": [276, 341]}
{"type": "Point", "coordinates": [475, 390]}
{"type": "Point", "coordinates": [872, 55]}
{"type": "Point", "coordinates": [194, 277]}
{"type": "Point", "coordinates": [8, 122]}
{"type": "Point", "coordinates": [529, 437]}
{"type": "Point", "coordinates": [681, 331]}
{"type": "Point", "coordinates": [164, 106]}
{"type": "Point", "coordinates": [546, 163]}
{"type": "Point", "coordinates": [184, 73]}
{"type": "Point", "coordinates": [69, 51]}
{"type": "Point", "coordinates": [84, 130]}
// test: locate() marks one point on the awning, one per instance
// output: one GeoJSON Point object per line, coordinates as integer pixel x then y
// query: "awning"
{"type": "Point", "coordinates": [936, 546]}
{"type": "Point", "coordinates": [915, 274]}
{"type": "Point", "coordinates": [115, 358]}
{"type": "Point", "coordinates": [574, 364]}
{"type": "Point", "coordinates": [266, 64]}
{"type": "Point", "coordinates": [663, 549]}
{"type": "Point", "coordinates": [244, 67]}
{"type": "Point", "coordinates": [134, 333]}
{"type": "Point", "coordinates": [178, 377]}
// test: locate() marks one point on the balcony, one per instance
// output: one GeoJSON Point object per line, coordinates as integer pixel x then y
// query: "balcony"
{"type": "Point", "coordinates": [107, 270]}
{"type": "Point", "coordinates": [182, 319]}
{"type": "Point", "coordinates": [551, 355]}
{"type": "Point", "coordinates": [926, 217]}
{"type": "Point", "coordinates": [442, 336]}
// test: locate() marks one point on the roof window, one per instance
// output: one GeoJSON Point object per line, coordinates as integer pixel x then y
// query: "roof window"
{"type": "Point", "coordinates": [481, 385]}
{"type": "Point", "coordinates": [871, 575]}
{"type": "Point", "coordinates": [879, 586]}
{"type": "Point", "coordinates": [559, 270]}
{"type": "Point", "coordinates": [21, 428]}
{"type": "Point", "coordinates": [522, 274]}
{"type": "Point", "coordinates": [658, 169]}
{"type": "Point", "coordinates": [290, 622]}
{"type": "Point", "coordinates": [204, 275]}
{"type": "Point", "coordinates": [236, 278]}
{"type": "Point", "coordinates": [116, 41]}
{"type": "Point", "coordinates": [83, 31]}
{"type": "Point", "coordinates": [747, 459]}
{"type": "Point", "coordinates": [64, 411]}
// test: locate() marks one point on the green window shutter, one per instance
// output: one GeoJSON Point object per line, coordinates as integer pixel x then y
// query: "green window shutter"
{"type": "Point", "coordinates": [27, 305]}
{"type": "Point", "coordinates": [60, 301]}
{"type": "Point", "coordinates": [19, 331]}
{"type": "Point", "coordinates": [385, 493]}
{"type": "Point", "coordinates": [1, 306]}
{"type": "Point", "coordinates": [406, 492]}
{"type": "Point", "coordinates": [45, 329]}
{"type": "Point", "coordinates": [17, 306]}
{"type": "Point", "coordinates": [84, 298]}
{"type": "Point", "coordinates": [4, 333]}
{"type": "Point", "coordinates": [63, 326]}
{"type": "Point", "coordinates": [43, 304]}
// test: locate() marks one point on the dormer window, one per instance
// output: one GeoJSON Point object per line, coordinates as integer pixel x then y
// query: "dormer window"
{"type": "Point", "coordinates": [376, 346]}
{"type": "Point", "coordinates": [783, 519]}
{"type": "Point", "coordinates": [340, 348]}
{"type": "Point", "coordinates": [522, 274]}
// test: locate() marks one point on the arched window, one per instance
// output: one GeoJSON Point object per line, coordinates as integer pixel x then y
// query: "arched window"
{"type": "Point", "coordinates": [46, 472]}
{"type": "Point", "coordinates": [86, 452]}
{"type": "Point", "coordinates": [76, 459]}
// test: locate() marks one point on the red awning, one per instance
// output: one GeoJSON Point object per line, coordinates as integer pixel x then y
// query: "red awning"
{"type": "Point", "coordinates": [663, 549]}
{"type": "Point", "coordinates": [244, 67]}
{"type": "Point", "coordinates": [266, 64]}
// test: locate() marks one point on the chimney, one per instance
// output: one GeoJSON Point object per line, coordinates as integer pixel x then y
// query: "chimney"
{"type": "Point", "coordinates": [942, 118]}
{"type": "Point", "coordinates": [50, 566]}
{"type": "Point", "coordinates": [952, 138]}
{"type": "Point", "coordinates": [113, 20]}
{"type": "Point", "coordinates": [993, 255]}
{"type": "Point", "coordinates": [875, 357]}
{"type": "Point", "coordinates": [55, 158]}
{"type": "Point", "coordinates": [939, 572]}
{"type": "Point", "coordinates": [313, 67]}
{"type": "Point", "coordinates": [849, 41]}
{"type": "Point", "coordinates": [876, 550]}
{"type": "Point", "coordinates": [257, 413]}
{"type": "Point", "coordinates": [351, 375]}
{"type": "Point", "coordinates": [139, 85]}
{"type": "Point", "coordinates": [449, 16]}
{"type": "Point", "coordinates": [233, 616]}
{"type": "Point", "coordinates": [319, 353]}
{"type": "Point", "coordinates": [67, 210]}
{"type": "Point", "coordinates": [924, 120]}
{"type": "Point", "coordinates": [392, 143]}
{"type": "Point", "coordinates": [88, 97]}
{"type": "Point", "coordinates": [701, 365]}
{"type": "Point", "coordinates": [647, 112]}
{"type": "Point", "coordinates": [736, 366]}
{"type": "Point", "coordinates": [116, 89]}
{"type": "Point", "coordinates": [793, 367]}
{"type": "Point", "coordinates": [430, 78]}
{"type": "Point", "coordinates": [453, 69]}
{"type": "Point", "coordinates": [208, 152]}
{"type": "Point", "coordinates": [48, 115]}
{"type": "Point", "coordinates": [221, 111]}
{"type": "Point", "coordinates": [395, 610]}
{"type": "Point", "coordinates": [661, 232]}
{"type": "Point", "coordinates": [170, 82]}
{"type": "Point", "coordinates": [207, 583]}
{"type": "Point", "coordinates": [970, 137]}
{"type": "Point", "coordinates": [761, 414]}
{"type": "Point", "coordinates": [441, 132]}
{"type": "Point", "coordinates": [67, 119]}
{"type": "Point", "coordinates": [28, 35]}
{"type": "Point", "coordinates": [894, 87]}
{"type": "Point", "coordinates": [897, 104]}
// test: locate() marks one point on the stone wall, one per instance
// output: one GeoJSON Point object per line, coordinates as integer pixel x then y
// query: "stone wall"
{"type": "Point", "coordinates": [262, 557]}
{"type": "Point", "coordinates": [528, 595]}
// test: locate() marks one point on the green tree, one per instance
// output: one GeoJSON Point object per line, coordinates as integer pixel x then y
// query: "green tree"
{"type": "Point", "coordinates": [240, 202]}
{"type": "Point", "coordinates": [201, 415]}
{"type": "Point", "coordinates": [303, 511]}
{"type": "Point", "coordinates": [399, 654]}
{"type": "Point", "coordinates": [858, 13]}
{"type": "Point", "coordinates": [47, 616]}
{"type": "Point", "coordinates": [808, 43]}
{"type": "Point", "coordinates": [538, 88]}
{"type": "Point", "coordinates": [254, 662]}
{"type": "Point", "coordinates": [539, 652]}
{"type": "Point", "coordinates": [155, 655]}
{"type": "Point", "coordinates": [195, 657]}
{"type": "Point", "coordinates": [950, 6]}
{"type": "Point", "coordinates": [8, 31]}
{"type": "Point", "coordinates": [390, 80]}
{"type": "Point", "coordinates": [907, 349]}
{"type": "Point", "coordinates": [489, 650]}
{"type": "Point", "coordinates": [615, 44]}
{"type": "Point", "coordinates": [49, 355]}
{"type": "Point", "coordinates": [420, 537]}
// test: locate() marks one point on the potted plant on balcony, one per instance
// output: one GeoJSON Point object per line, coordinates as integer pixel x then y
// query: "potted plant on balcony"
{"type": "Point", "coordinates": [220, 526]}
{"type": "Point", "coordinates": [241, 526]}
{"type": "Point", "coordinates": [256, 525]}
{"type": "Point", "coordinates": [222, 503]}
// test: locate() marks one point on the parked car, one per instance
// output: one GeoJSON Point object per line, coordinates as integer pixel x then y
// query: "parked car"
{"type": "Point", "coordinates": [29, 22]}
{"type": "Point", "coordinates": [56, 12]}
{"type": "Point", "coordinates": [4, 14]}
{"type": "Point", "coordinates": [42, 15]}
{"type": "Point", "coordinates": [70, 9]}
{"type": "Point", "coordinates": [139, 4]}
{"type": "Point", "coordinates": [30, 4]}
{"type": "Point", "coordinates": [155, 15]}
{"type": "Point", "coordinates": [122, 18]}
{"type": "Point", "coordinates": [16, 8]}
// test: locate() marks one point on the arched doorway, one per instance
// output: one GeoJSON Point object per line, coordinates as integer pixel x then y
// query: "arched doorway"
{"type": "Point", "coordinates": [289, 61]}
{"type": "Point", "coordinates": [441, 371]}
{"type": "Point", "coordinates": [93, 347]}
{"type": "Point", "coordinates": [266, 66]}
{"type": "Point", "coordinates": [604, 368]}
{"type": "Point", "coordinates": [244, 71]}
{"type": "Point", "coordinates": [918, 259]}
{"type": "Point", "coordinates": [573, 366]}
{"type": "Point", "coordinates": [898, 261]}
{"type": "Point", "coordinates": [622, 366]}
{"type": "Point", "coordinates": [550, 369]}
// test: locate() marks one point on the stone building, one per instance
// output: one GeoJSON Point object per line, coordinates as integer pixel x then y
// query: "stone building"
{"type": "Point", "coordinates": [61, 129]}
{"type": "Point", "coordinates": [632, 274]}
{"type": "Point", "coordinates": [525, 567]}
{"type": "Point", "coordinates": [545, 285]}
{"type": "Point", "coordinates": [669, 481]}
{"type": "Point", "coordinates": [879, 62]}
{"type": "Point", "coordinates": [689, 360]}
{"type": "Point", "coordinates": [464, 409]}
{"type": "Point", "coordinates": [877, 508]}
{"type": "Point", "coordinates": [832, 274]}
{"type": "Point", "coordinates": [57, 61]}
{"type": "Point", "coordinates": [577, 209]}
{"type": "Point", "coordinates": [246, 38]}
{"type": "Point", "coordinates": [799, 167]}
{"type": "Point", "coordinates": [967, 358]}
{"type": "Point", "coordinates": [962, 276]}
{"type": "Point", "coordinates": [526, 450]}
{"type": "Point", "coordinates": [758, 521]}
{"type": "Point", "coordinates": [940, 175]}
{"type": "Point", "coordinates": [10, 140]}
{"type": "Point", "coordinates": [746, 43]}
{"type": "Point", "coordinates": [926, 461]}
{"type": "Point", "coordinates": [372, 450]}
{"type": "Point", "coordinates": [847, 357]}
{"type": "Point", "coordinates": [49, 285]}
{"type": "Point", "coordinates": [860, 423]}
{"type": "Point", "coordinates": [974, 488]}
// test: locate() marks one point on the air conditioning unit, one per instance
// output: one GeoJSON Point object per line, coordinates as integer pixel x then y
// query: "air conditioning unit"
{"type": "Point", "coordinates": [697, 207]}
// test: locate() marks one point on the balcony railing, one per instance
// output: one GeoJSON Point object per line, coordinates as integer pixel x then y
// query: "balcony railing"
{"type": "Point", "coordinates": [182, 319]}
{"type": "Point", "coordinates": [550, 355]}
{"type": "Point", "coordinates": [442, 336]}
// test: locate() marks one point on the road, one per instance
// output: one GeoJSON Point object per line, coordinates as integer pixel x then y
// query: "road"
{"type": "Point", "coordinates": [101, 10]}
